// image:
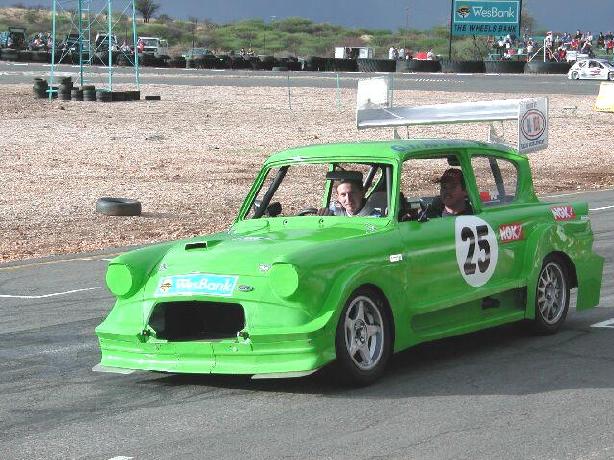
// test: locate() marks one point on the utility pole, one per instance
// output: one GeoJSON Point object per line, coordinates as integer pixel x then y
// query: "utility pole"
{"type": "Point", "coordinates": [194, 24]}
{"type": "Point", "coordinates": [406, 27]}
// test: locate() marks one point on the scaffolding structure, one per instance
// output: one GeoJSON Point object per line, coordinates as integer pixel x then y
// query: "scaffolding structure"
{"type": "Point", "coordinates": [88, 27]}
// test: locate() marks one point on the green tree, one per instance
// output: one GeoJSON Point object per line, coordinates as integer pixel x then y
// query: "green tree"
{"type": "Point", "coordinates": [147, 8]}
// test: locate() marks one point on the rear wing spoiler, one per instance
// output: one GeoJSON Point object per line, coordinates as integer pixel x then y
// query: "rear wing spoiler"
{"type": "Point", "coordinates": [374, 110]}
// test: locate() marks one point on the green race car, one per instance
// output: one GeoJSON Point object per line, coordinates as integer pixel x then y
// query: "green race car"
{"type": "Point", "coordinates": [297, 283]}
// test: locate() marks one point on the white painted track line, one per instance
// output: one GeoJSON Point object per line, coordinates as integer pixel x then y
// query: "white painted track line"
{"type": "Point", "coordinates": [607, 323]}
{"type": "Point", "coordinates": [44, 296]}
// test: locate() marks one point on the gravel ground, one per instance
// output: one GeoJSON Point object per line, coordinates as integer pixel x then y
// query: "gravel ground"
{"type": "Point", "coordinates": [191, 157]}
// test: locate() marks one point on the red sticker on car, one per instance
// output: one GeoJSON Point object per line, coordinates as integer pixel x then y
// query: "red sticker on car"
{"type": "Point", "coordinates": [510, 232]}
{"type": "Point", "coordinates": [563, 212]}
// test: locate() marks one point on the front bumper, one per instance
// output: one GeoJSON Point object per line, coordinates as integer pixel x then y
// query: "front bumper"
{"type": "Point", "coordinates": [302, 353]}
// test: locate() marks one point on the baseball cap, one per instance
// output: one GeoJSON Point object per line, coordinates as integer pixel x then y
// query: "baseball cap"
{"type": "Point", "coordinates": [451, 175]}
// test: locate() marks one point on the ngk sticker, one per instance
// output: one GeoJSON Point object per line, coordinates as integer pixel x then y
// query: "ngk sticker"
{"type": "Point", "coordinates": [510, 232]}
{"type": "Point", "coordinates": [563, 212]}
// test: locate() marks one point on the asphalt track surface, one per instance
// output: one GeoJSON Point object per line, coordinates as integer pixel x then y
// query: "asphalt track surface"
{"type": "Point", "coordinates": [496, 394]}
{"type": "Point", "coordinates": [12, 73]}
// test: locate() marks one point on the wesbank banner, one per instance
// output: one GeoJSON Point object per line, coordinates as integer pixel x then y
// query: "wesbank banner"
{"type": "Point", "coordinates": [486, 17]}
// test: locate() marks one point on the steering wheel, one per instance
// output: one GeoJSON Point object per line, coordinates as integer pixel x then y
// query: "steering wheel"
{"type": "Point", "coordinates": [307, 211]}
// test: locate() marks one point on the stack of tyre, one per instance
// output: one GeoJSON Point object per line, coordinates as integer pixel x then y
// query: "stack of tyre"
{"type": "Point", "coordinates": [65, 88]}
{"type": "Point", "coordinates": [40, 88]}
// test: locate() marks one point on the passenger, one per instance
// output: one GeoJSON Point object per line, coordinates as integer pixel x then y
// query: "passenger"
{"type": "Point", "coordinates": [350, 202]}
{"type": "Point", "coordinates": [453, 199]}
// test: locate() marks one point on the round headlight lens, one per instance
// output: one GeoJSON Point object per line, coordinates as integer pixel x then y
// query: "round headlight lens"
{"type": "Point", "coordinates": [283, 279]}
{"type": "Point", "coordinates": [119, 279]}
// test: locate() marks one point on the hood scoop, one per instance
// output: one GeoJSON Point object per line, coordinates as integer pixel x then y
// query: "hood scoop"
{"type": "Point", "coordinates": [201, 245]}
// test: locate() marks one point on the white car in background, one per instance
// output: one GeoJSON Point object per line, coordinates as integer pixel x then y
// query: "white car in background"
{"type": "Point", "coordinates": [591, 69]}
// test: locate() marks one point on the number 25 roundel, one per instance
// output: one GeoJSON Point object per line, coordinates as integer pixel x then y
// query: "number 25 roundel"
{"type": "Point", "coordinates": [477, 250]}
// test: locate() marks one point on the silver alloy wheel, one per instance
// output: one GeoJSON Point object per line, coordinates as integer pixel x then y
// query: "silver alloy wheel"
{"type": "Point", "coordinates": [575, 75]}
{"type": "Point", "coordinates": [551, 293]}
{"type": "Point", "coordinates": [364, 333]}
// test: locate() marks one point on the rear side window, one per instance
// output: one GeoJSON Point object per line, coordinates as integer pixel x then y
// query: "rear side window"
{"type": "Point", "coordinates": [496, 179]}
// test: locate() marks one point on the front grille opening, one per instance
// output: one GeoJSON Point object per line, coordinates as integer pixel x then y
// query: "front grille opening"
{"type": "Point", "coordinates": [183, 321]}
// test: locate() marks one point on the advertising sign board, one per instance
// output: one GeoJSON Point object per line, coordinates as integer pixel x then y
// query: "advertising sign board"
{"type": "Point", "coordinates": [532, 125]}
{"type": "Point", "coordinates": [486, 17]}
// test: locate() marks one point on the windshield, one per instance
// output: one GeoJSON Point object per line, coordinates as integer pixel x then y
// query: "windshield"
{"type": "Point", "coordinates": [325, 189]}
{"type": "Point", "coordinates": [150, 42]}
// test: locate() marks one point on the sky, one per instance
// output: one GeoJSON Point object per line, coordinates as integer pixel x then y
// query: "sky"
{"type": "Point", "coordinates": [558, 15]}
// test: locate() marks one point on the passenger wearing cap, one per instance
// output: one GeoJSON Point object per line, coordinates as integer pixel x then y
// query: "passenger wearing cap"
{"type": "Point", "coordinates": [454, 200]}
{"type": "Point", "coordinates": [350, 202]}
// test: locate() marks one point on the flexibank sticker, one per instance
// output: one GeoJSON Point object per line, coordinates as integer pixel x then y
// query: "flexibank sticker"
{"type": "Point", "coordinates": [477, 250]}
{"type": "Point", "coordinates": [196, 284]}
{"type": "Point", "coordinates": [563, 212]}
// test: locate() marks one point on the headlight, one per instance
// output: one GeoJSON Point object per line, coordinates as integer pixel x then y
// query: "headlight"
{"type": "Point", "coordinates": [283, 279]}
{"type": "Point", "coordinates": [120, 280]}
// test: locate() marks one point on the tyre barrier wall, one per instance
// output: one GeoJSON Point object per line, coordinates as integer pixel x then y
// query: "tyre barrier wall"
{"type": "Point", "coordinates": [448, 66]}
{"type": "Point", "coordinates": [313, 63]}
{"type": "Point", "coordinates": [547, 67]}
{"type": "Point", "coordinates": [504, 66]}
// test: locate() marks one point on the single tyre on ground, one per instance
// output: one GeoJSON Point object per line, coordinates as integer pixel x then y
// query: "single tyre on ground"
{"type": "Point", "coordinates": [363, 341]}
{"type": "Point", "coordinates": [118, 206]}
{"type": "Point", "coordinates": [76, 94]}
{"type": "Point", "coordinates": [551, 296]}
{"type": "Point", "coordinates": [547, 67]}
{"type": "Point", "coordinates": [40, 88]}
{"type": "Point", "coordinates": [153, 98]}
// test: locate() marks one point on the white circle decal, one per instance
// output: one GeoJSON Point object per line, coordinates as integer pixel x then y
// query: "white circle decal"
{"type": "Point", "coordinates": [477, 250]}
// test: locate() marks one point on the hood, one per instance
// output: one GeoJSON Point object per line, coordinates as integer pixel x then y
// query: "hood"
{"type": "Point", "coordinates": [249, 244]}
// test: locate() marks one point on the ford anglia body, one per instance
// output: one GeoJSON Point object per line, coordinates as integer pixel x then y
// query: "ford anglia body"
{"type": "Point", "coordinates": [285, 291]}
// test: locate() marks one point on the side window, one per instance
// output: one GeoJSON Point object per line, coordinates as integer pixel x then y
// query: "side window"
{"type": "Point", "coordinates": [433, 187]}
{"type": "Point", "coordinates": [496, 179]}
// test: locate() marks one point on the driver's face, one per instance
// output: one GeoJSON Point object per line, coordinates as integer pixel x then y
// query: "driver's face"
{"type": "Point", "coordinates": [350, 197]}
{"type": "Point", "coordinates": [453, 195]}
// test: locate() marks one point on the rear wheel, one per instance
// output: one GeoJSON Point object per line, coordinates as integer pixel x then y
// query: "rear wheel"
{"type": "Point", "coordinates": [364, 338]}
{"type": "Point", "coordinates": [611, 76]}
{"type": "Point", "coordinates": [551, 296]}
{"type": "Point", "coordinates": [575, 75]}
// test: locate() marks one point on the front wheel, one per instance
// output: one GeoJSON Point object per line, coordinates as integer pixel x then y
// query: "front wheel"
{"type": "Point", "coordinates": [551, 296]}
{"type": "Point", "coordinates": [611, 76]}
{"type": "Point", "coordinates": [575, 75]}
{"type": "Point", "coordinates": [364, 338]}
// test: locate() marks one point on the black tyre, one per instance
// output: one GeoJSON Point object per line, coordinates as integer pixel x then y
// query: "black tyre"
{"type": "Point", "coordinates": [417, 65]}
{"type": "Point", "coordinates": [345, 65]}
{"type": "Point", "coordinates": [103, 95]}
{"type": "Point", "coordinates": [611, 76]}
{"type": "Point", "coordinates": [118, 206]}
{"type": "Point", "coordinates": [547, 67]}
{"type": "Point", "coordinates": [25, 56]}
{"type": "Point", "coordinates": [448, 66]}
{"type": "Point", "coordinates": [280, 69]}
{"type": "Point", "coordinates": [76, 95]}
{"type": "Point", "coordinates": [363, 341]}
{"type": "Point", "coordinates": [575, 75]}
{"type": "Point", "coordinates": [376, 65]}
{"type": "Point", "coordinates": [153, 98]}
{"type": "Point", "coordinates": [7, 54]}
{"type": "Point", "coordinates": [504, 66]}
{"type": "Point", "coordinates": [40, 56]}
{"type": "Point", "coordinates": [551, 296]}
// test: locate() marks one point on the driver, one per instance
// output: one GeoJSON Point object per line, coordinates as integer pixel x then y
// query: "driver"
{"type": "Point", "coordinates": [350, 202]}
